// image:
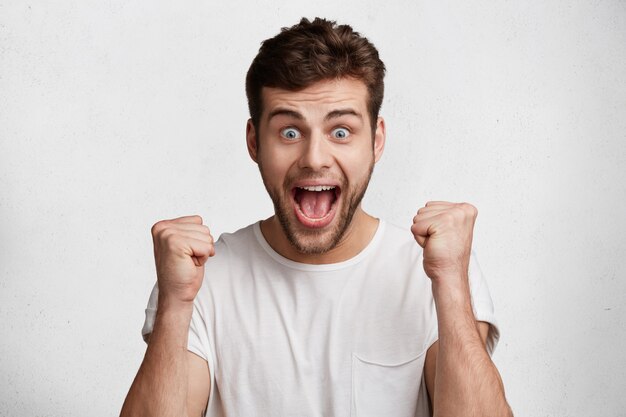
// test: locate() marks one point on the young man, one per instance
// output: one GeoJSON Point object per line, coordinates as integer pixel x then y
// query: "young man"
{"type": "Point", "coordinates": [322, 309]}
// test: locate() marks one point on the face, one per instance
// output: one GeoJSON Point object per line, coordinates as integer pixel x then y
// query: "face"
{"type": "Point", "coordinates": [316, 152]}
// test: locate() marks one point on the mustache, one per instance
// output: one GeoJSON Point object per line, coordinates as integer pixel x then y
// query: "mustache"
{"type": "Point", "coordinates": [314, 176]}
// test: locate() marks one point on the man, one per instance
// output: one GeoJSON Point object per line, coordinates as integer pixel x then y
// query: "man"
{"type": "Point", "coordinates": [322, 309]}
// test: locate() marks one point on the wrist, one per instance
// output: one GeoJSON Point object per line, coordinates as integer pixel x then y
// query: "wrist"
{"type": "Point", "coordinates": [173, 313]}
{"type": "Point", "coordinates": [171, 324]}
{"type": "Point", "coordinates": [455, 317]}
{"type": "Point", "coordinates": [452, 293]}
{"type": "Point", "coordinates": [173, 304]}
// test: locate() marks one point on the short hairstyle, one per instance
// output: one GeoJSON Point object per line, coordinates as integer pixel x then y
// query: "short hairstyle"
{"type": "Point", "coordinates": [309, 52]}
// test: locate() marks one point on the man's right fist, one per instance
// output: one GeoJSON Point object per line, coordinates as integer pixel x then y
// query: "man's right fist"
{"type": "Point", "coordinates": [181, 247]}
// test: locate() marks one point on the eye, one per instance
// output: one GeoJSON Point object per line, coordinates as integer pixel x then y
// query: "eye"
{"type": "Point", "coordinates": [340, 133]}
{"type": "Point", "coordinates": [290, 133]}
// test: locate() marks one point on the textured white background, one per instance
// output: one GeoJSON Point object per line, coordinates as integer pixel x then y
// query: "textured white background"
{"type": "Point", "coordinates": [114, 114]}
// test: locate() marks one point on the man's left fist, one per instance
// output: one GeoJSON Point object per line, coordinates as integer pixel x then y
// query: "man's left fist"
{"type": "Point", "coordinates": [445, 232]}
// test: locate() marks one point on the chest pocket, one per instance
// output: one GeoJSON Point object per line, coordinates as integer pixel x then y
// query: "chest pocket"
{"type": "Point", "coordinates": [380, 389]}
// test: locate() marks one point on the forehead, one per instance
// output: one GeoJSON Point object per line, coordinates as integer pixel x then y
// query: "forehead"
{"type": "Point", "coordinates": [321, 97]}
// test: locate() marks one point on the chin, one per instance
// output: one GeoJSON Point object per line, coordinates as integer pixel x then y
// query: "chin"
{"type": "Point", "coordinates": [316, 211]}
{"type": "Point", "coordinates": [316, 242]}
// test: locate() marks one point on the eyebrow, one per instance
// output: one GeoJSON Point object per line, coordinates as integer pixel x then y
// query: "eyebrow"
{"type": "Point", "coordinates": [284, 112]}
{"type": "Point", "coordinates": [295, 115]}
{"type": "Point", "coordinates": [342, 112]}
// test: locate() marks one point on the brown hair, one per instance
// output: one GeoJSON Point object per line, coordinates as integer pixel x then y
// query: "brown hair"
{"type": "Point", "coordinates": [309, 52]}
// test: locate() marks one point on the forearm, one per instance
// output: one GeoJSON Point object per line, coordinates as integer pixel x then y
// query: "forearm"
{"type": "Point", "coordinates": [160, 387]}
{"type": "Point", "coordinates": [467, 382]}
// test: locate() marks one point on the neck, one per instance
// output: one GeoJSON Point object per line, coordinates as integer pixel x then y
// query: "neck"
{"type": "Point", "coordinates": [358, 235]}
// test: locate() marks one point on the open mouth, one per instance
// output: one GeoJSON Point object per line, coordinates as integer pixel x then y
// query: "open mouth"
{"type": "Point", "coordinates": [315, 204]}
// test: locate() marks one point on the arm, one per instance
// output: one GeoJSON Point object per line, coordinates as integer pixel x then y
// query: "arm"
{"type": "Point", "coordinates": [460, 376]}
{"type": "Point", "coordinates": [430, 366]}
{"type": "Point", "coordinates": [480, 386]}
{"type": "Point", "coordinates": [171, 380]}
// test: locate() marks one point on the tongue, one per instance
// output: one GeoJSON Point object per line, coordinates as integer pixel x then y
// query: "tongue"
{"type": "Point", "coordinates": [316, 204]}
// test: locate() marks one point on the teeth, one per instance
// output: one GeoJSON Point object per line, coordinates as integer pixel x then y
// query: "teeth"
{"type": "Point", "coordinates": [319, 188]}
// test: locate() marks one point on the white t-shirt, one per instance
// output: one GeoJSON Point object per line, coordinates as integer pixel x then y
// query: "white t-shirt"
{"type": "Point", "coordinates": [346, 339]}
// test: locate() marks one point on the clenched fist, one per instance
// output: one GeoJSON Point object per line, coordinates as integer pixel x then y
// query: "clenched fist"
{"type": "Point", "coordinates": [445, 232]}
{"type": "Point", "coordinates": [181, 247]}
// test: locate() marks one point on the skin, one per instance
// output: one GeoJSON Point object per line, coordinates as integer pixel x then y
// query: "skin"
{"type": "Point", "coordinates": [171, 380]}
{"type": "Point", "coordinates": [460, 377]}
{"type": "Point", "coordinates": [317, 156]}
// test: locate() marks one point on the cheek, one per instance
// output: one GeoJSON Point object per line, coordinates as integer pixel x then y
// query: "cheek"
{"type": "Point", "coordinates": [356, 163]}
{"type": "Point", "coordinates": [281, 160]}
{"type": "Point", "coordinates": [273, 167]}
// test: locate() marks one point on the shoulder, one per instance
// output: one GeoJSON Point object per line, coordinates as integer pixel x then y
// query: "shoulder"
{"type": "Point", "coordinates": [242, 237]}
{"type": "Point", "coordinates": [398, 241]}
{"type": "Point", "coordinates": [393, 231]}
{"type": "Point", "coordinates": [395, 254]}
{"type": "Point", "coordinates": [231, 247]}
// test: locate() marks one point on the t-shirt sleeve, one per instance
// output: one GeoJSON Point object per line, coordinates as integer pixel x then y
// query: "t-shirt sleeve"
{"type": "Point", "coordinates": [151, 309]}
{"type": "Point", "coordinates": [197, 339]}
{"type": "Point", "coordinates": [482, 303]}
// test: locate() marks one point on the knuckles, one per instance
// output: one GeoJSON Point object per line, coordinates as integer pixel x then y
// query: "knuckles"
{"type": "Point", "coordinates": [461, 212]}
{"type": "Point", "coordinates": [163, 227]}
{"type": "Point", "coordinates": [158, 227]}
{"type": "Point", "coordinates": [164, 236]}
{"type": "Point", "coordinates": [469, 209]}
{"type": "Point", "coordinates": [454, 213]}
{"type": "Point", "coordinates": [465, 207]}
{"type": "Point", "coordinates": [168, 237]}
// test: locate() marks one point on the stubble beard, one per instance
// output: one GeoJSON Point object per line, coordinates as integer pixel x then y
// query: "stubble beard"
{"type": "Point", "coordinates": [318, 241]}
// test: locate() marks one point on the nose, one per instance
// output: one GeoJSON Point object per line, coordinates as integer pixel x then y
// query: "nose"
{"type": "Point", "coordinates": [316, 153]}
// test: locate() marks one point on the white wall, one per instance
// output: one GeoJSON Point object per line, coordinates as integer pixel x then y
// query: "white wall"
{"type": "Point", "coordinates": [114, 114]}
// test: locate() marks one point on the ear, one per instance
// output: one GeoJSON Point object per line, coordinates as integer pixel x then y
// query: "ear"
{"type": "Point", "coordinates": [251, 140]}
{"type": "Point", "coordinates": [379, 139]}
